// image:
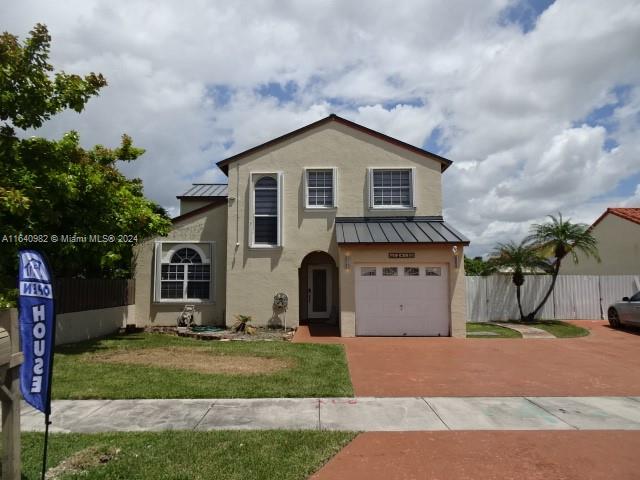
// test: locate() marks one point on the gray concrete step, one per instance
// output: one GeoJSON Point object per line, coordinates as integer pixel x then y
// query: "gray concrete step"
{"type": "Point", "coordinates": [362, 414]}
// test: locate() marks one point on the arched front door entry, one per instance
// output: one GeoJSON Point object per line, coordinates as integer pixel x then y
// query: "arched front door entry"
{"type": "Point", "coordinates": [318, 288]}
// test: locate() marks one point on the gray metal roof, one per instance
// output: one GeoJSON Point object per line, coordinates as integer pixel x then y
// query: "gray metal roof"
{"type": "Point", "coordinates": [396, 230]}
{"type": "Point", "coordinates": [206, 190]}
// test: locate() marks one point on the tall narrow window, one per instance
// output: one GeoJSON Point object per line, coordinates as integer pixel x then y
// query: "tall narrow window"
{"type": "Point", "coordinates": [392, 188]}
{"type": "Point", "coordinates": [265, 211]}
{"type": "Point", "coordinates": [320, 188]}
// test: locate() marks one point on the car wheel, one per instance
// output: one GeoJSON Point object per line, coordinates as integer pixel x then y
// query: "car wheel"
{"type": "Point", "coordinates": [614, 319]}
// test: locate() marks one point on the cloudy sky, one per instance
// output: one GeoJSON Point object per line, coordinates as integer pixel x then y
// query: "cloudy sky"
{"type": "Point", "coordinates": [536, 102]}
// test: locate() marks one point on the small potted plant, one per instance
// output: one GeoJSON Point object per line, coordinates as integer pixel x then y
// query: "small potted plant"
{"type": "Point", "coordinates": [242, 325]}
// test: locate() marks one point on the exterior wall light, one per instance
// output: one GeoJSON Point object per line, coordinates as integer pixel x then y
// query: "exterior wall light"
{"type": "Point", "coordinates": [347, 261]}
{"type": "Point", "coordinates": [456, 258]}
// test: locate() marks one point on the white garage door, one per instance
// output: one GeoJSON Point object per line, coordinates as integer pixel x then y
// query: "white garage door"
{"type": "Point", "coordinates": [399, 300]}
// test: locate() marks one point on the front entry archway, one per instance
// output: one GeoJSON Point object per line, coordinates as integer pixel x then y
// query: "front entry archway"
{"type": "Point", "coordinates": [318, 289]}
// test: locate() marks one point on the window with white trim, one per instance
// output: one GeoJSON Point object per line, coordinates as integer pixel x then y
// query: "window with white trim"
{"type": "Point", "coordinates": [391, 188]}
{"type": "Point", "coordinates": [411, 272]}
{"type": "Point", "coordinates": [367, 271]}
{"type": "Point", "coordinates": [184, 272]}
{"type": "Point", "coordinates": [320, 188]}
{"type": "Point", "coordinates": [433, 271]}
{"type": "Point", "coordinates": [266, 224]}
{"type": "Point", "coordinates": [389, 271]}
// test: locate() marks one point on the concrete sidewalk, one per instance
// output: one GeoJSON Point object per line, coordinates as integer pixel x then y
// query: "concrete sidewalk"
{"type": "Point", "coordinates": [361, 414]}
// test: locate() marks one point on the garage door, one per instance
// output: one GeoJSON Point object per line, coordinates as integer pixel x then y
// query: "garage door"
{"type": "Point", "coordinates": [399, 300]}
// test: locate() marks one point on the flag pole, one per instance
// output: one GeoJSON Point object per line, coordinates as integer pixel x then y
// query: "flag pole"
{"type": "Point", "coordinates": [46, 444]}
{"type": "Point", "coordinates": [47, 412]}
{"type": "Point", "coordinates": [37, 319]}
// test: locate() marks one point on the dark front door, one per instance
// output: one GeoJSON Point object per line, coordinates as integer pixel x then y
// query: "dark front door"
{"type": "Point", "coordinates": [319, 300]}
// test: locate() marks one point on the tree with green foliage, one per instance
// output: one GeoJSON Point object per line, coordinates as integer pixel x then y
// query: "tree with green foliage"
{"type": "Point", "coordinates": [57, 187]}
{"type": "Point", "coordinates": [557, 239]}
{"type": "Point", "coordinates": [476, 266]}
{"type": "Point", "coordinates": [519, 258]}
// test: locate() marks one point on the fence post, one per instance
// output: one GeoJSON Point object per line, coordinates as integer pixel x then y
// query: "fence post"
{"type": "Point", "coordinates": [486, 296]}
{"type": "Point", "coordinates": [10, 399]}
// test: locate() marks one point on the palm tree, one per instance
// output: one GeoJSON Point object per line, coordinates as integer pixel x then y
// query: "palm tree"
{"type": "Point", "coordinates": [558, 238]}
{"type": "Point", "coordinates": [519, 257]}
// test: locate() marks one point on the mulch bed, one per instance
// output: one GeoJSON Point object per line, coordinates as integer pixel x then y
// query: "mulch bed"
{"type": "Point", "coordinates": [263, 334]}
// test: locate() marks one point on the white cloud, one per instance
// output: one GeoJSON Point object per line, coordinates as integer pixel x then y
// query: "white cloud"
{"type": "Point", "coordinates": [510, 106]}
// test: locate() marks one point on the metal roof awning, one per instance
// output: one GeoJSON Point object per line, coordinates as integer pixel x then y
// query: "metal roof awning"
{"type": "Point", "coordinates": [205, 190]}
{"type": "Point", "coordinates": [380, 230]}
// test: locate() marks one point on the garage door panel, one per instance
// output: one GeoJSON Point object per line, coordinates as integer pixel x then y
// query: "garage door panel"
{"type": "Point", "coordinates": [393, 290]}
{"type": "Point", "coordinates": [403, 304]}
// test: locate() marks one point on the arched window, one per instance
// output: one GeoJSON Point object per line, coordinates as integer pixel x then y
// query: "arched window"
{"type": "Point", "coordinates": [265, 211]}
{"type": "Point", "coordinates": [185, 274]}
{"type": "Point", "coordinates": [186, 255]}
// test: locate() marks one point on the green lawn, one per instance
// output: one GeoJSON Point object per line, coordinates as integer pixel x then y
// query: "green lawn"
{"type": "Point", "coordinates": [228, 455]}
{"type": "Point", "coordinates": [560, 329]}
{"type": "Point", "coordinates": [500, 332]}
{"type": "Point", "coordinates": [554, 327]}
{"type": "Point", "coordinates": [315, 371]}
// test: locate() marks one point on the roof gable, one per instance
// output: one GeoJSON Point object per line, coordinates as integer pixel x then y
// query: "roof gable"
{"type": "Point", "coordinates": [214, 203]}
{"type": "Point", "coordinates": [631, 214]}
{"type": "Point", "coordinates": [444, 162]}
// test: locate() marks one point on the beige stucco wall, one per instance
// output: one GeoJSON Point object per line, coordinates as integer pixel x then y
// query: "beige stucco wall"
{"type": "Point", "coordinates": [438, 254]}
{"type": "Point", "coordinates": [189, 205]}
{"type": "Point", "coordinates": [204, 227]}
{"type": "Point", "coordinates": [618, 246]}
{"type": "Point", "coordinates": [80, 326]}
{"type": "Point", "coordinates": [254, 276]}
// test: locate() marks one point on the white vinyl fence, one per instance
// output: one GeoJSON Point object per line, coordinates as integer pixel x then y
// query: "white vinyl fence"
{"type": "Point", "coordinates": [574, 297]}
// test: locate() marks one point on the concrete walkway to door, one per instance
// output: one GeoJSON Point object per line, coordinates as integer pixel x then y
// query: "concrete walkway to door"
{"type": "Point", "coordinates": [602, 364]}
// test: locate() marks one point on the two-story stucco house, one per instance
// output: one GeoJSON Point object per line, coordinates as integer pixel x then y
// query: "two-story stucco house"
{"type": "Point", "coordinates": [346, 221]}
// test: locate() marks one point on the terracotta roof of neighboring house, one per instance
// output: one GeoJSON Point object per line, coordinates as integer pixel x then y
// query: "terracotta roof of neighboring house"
{"type": "Point", "coordinates": [445, 162]}
{"type": "Point", "coordinates": [214, 203]}
{"type": "Point", "coordinates": [203, 191]}
{"type": "Point", "coordinates": [631, 214]}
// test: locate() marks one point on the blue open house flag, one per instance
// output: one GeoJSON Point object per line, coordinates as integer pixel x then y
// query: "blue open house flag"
{"type": "Point", "coordinates": [37, 328]}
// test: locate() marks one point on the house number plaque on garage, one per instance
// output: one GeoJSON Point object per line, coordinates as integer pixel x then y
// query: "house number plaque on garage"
{"type": "Point", "coordinates": [402, 255]}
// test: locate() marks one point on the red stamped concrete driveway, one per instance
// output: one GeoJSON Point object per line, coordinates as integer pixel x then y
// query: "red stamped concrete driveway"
{"type": "Point", "coordinates": [487, 456]}
{"type": "Point", "coordinates": [604, 363]}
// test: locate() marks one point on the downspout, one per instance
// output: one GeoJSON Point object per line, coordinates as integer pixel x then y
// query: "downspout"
{"type": "Point", "coordinates": [237, 205]}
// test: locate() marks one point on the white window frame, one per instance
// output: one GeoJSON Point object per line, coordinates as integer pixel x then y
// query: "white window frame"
{"type": "Point", "coordinates": [253, 178]}
{"type": "Point", "coordinates": [412, 195]}
{"type": "Point", "coordinates": [206, 260]}
{"type": "Point", "coordinates": [334, 174]}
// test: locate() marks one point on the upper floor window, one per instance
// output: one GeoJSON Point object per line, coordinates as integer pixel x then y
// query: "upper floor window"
{"type": "Point", "coordinates": [184, 272]}
{"type": "Point", "coordinates": [321, 188]}
{"type": "Point", "coordinates": [266, 210]}
{"type": "Point", "coordinates": [392, 188]}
